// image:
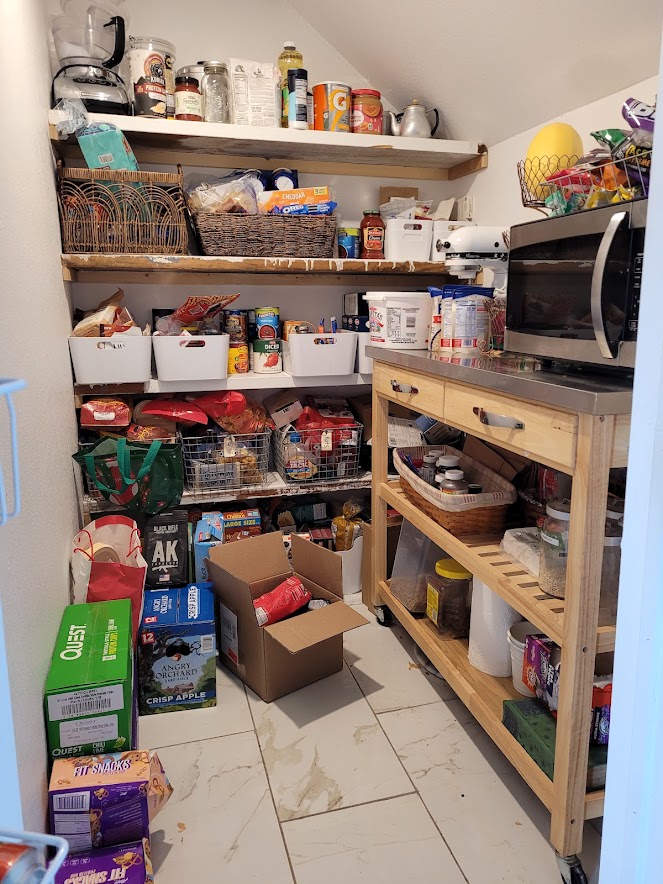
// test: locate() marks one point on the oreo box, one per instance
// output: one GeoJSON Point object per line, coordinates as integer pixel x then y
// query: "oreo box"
{"type": "Point", "coordinates": [88, 693]}
{"type": "Point", "coordinates": [177, 650]}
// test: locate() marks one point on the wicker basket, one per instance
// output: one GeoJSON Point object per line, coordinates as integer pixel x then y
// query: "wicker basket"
{"type": "Point", "coordinates": [116, 211]}
{"type": "Point", "coordinates": [266, 236]}
{"type": "Point", "coordinates": [460, 514]}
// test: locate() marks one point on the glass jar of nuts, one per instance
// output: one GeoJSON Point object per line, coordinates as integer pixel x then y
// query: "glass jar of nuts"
{"type": "Point", "coordinates": [555, 548]}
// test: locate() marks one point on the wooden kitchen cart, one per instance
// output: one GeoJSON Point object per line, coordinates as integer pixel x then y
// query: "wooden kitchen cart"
{"type": "Point", "coordinates": [577, 426]}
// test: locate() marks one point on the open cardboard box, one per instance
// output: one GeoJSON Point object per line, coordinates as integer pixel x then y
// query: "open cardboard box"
{"type": "Point", "coordinates": [278, 659]}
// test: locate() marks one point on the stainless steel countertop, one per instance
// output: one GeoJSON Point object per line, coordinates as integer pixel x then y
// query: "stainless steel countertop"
{"type": "Point", "coordinates": [583, 393]}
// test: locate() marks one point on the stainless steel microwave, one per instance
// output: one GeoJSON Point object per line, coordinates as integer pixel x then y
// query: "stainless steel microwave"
{"type": "Point", "coordinates": [573, 288]}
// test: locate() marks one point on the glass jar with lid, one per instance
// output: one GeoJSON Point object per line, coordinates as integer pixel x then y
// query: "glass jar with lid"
{"type": "Point", "coordinates": [612, 560]}
{"type": "Point", "coordinates": [555, 548]}
{"type": "Point", "coordinates": [216, 89]}
{"type": "Point", "coordinates": [188, 101]}
{"type": "Point", "coordinates": [448, 598]}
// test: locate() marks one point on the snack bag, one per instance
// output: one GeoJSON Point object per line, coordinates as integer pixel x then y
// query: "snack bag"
{"type": "Point", "coordinates": [285, 599]}
{"type": "Point", "coordinates": [347, 528]}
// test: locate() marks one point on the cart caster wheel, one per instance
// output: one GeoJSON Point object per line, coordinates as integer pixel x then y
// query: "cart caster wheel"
{"type": "Point", "coordinates": [571, 869]}
{"type": "Point", "coordinates": [383, 615]}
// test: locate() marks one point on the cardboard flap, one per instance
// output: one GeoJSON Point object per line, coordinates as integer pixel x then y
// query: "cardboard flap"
{"type": "Point", "coordinates": [254, 558]}
{"type": "Point", "coordinates": [301, 632]}
{"type": "Point", "coordinates": [318, 564]}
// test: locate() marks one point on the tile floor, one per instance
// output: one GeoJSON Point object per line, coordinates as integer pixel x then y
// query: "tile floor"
{"type": "Point", "coordinates": [376, 774]}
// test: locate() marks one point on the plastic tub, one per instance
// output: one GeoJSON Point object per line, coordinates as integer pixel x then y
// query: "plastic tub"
{"type": "Point", "coordinates": [408, 240]}
{"type": "Point", "coordinates": [414, 563]}
{"type": "Point", "coordinates": [516, 637]}
{"type": "Point", "coordinates": [490, 622]}
{"type": "Point", "coordinates": [364, 362]}
{"type": "Point", "coordinates": [351, 559]}
{"type": "Point", "coordinates": [399, 320]}
{"type": "Point", "coordinates": [180, 358]}
{"type": "Point", "coordinates": [318, 355]}
{"type": "Point", "coordinates": [120, 359]}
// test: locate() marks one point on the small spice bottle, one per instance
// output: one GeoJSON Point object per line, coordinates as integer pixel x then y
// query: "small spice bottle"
{"type": "Point", "coordinates": [454, 483]}
{"type": "Point", "coordinates": [372, 231]}
{"type": "Point", "coordinates": [188, 100]}
{"type": "Point", "coordinates": [428, 470]}
{"type": "Point", "coordinates": [447, 462]}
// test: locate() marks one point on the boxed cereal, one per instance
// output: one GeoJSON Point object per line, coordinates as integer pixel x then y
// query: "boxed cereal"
{"type": "Point", "coordinates": [177, 650]}
{"type": "Point", "coordinates": [102, 800]}
{"type": "Point", "coordinates": [242, 524]}
{"type": "Point", "coordinates": [88, 693]}
{"type": "Point", "coordinates": [129, 863]}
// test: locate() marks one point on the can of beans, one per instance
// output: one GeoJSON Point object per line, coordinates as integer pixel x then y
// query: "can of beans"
{"type": "Point", "coordinates": [267, 323]}
{"type": "Point", "coordinates": [267, 357]}
{"type": "Point", "coordinates": [331, 107]}
{"type": "Point", "coordinates": [235, 325]}
{"type": "Point", "coordinates": [238, 359]}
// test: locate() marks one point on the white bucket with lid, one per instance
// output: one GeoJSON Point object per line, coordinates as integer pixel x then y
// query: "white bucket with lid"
{"type": "Point", "coordinates": [399, 320]}
{"type": "Point", "coordinates": [516, 637]}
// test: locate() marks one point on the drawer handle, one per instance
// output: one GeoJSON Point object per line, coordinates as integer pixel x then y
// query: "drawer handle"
{"type": "Point", "coordinates": [397, 387]}
{"type": "Point", "coordinates": [498, 420]}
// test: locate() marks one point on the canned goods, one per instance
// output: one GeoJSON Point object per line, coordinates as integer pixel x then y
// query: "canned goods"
{"type": "Point", "coordinates": [151, 65]}
{"type": "Point", "coordinates": [331, 107]}
{"type": "Point", "coordinates": [267, 357]}
{"type": "Point", "coordinates": [238, 359]}
{"type": "Point", "coordinates": [267, 323]}
{"type": "Point", "coordinates": [348, 241]}
{"type": "Point", "coordinates": [235, 325]}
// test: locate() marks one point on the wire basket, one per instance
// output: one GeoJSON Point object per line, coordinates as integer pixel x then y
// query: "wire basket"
{"type": "Point", "coordinates": [217, 461]}
{"type": "Point", "coordinates": [496, 308]}
{"type": "Point", "coordinates": [117, 211]}
{"type": "Point", "coordinates": [266, 236]}
{"type": "Point", "coordinates": [586, 186]}
{"type": "Point", "coordinates": [320, 455]}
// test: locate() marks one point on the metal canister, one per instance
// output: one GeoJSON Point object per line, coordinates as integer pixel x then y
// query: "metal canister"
{"type": "Point", "coordinates": [267, 323]}
{"type": "Point", "coordinates": [235, 325]}
{"type": "Point", "coordinates": [331, 107]}
{"type": "Point", "coordinates": [20, 864]}
{"type": "Point", "coordinates": [151, 63]}
{"type": "Point", "coordinates": [238, 359]}
{"type": "Point", "coordinates": [267, 357]}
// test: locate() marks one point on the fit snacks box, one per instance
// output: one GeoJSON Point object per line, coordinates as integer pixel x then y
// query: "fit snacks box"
{"type": "Point", "coordinates": [129, 863]}
{"type": "Point", "coordinates": [177, 650]}
{"type": "Point", "coordinates": [102, 800]}
{"type": "Point", "coordinates": [88, 693]}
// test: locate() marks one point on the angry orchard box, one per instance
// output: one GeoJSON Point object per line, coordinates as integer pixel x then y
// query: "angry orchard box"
{"type": "Point", "coordinates": [177, 650]}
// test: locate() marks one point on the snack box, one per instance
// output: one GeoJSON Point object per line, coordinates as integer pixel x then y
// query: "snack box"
{"type": "Point", "coordinates": [242, 524]}
{"type": "Point", "coordinates": [102, 800]}
{"type": "Point", "coordinates": [177, 650]}
{"type": "Point", "coordinates": [284, 408]}
{"type": "Point", "coordinates": [207, 533]}
{"type": "Point", "coordinates": [333, 407]}
{"type": "Point", "coordinates": [88, 693]}
{"type": "Point", "coordinates": [104, 146]}
{"type": "Point", "coordinates": [541, 665]}
{"type": "Point", "coordinates": [130, 863]}
{"type": "Point", "coordinates": [271, 200]}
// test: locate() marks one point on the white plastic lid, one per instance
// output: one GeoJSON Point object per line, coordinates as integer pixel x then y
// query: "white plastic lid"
{"type": "Point", "coordinates": [559, 509]}
{"type": "Point", "coordinates": [289, 44]}
{"type": "Point", "coordinates": [397, 296]}
{"type": "Point", "coordinates": [435, 452]}
{"type": "Point", "coordinates": [440, 477]}
{"type": "Point", "coordinates": [612, 541]}
{"type": "Point", "coordinates": [429, 458]}
{"type": "Point", "coordinates": [455, 475]}
{"type": "Point", "coordinates": [448, 460]}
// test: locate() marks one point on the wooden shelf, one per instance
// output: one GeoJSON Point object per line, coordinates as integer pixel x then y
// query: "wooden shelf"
{"type": "Point", "coordinates": [483, 695]}
{"type": "Point", "coordinates": [483, 557]}
{"type": "Point", "coordinates": [223, 145]}
{"type": "Point", "coordinates": [181, 269]}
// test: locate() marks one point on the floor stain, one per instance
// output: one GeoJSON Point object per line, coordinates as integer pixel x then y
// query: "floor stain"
{"type": "Point", "coordinates": [317, 785]}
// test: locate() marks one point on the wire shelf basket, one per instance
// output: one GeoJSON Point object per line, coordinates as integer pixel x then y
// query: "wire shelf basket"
{"type": "Point", "coordinates": [217, 461]}
{"type": "Point", "coordinates": [559, 186]}
{"type": "Point", "coordinates": [320, 455]}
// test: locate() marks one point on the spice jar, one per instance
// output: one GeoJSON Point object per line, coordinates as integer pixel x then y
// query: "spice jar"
{"type": "Point", "coordinates": [372, 231]}
{"type": "Point", "coordinates": [428, 470]}
{"type": "Point", "coordinates": [554, 548]}
{"type": "Point", "coordinates": [448, 599]}
{"type": "Point", "coordinates": [188, 100]}
{"type": "Point", "coordinates": [215, 88]}
{"type": "Point", "coordinates": [366, 117]}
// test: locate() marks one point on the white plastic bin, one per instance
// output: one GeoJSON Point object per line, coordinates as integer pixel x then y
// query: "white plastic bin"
{"type": "Point", "coordinates": [364, 362]}
{"type": "Point", "coordinates": [408, 240]}
{"type": "Point", "coordinates": [182, 358]}
{"type": "Point", "coordinates": [120, 359]}
{"type": "Point", "coordinates": [414, 564]}
{"type": "Point", "coordinates": [399, 320]}
{"type": "Point", "coordinates": [516, 637]}
{"type": "Point", "coordinates": [352, 567]}
{"type": "Point", "coordinates": [320, 354]}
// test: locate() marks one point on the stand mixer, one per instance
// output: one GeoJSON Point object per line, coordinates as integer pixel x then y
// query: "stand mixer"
{"type": "Point", "coordinates": [471, 249]}
{"type": "Point", "coordinates": [89, 42]}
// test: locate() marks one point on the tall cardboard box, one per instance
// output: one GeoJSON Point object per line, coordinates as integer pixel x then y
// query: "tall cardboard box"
{"type": "Point", "coordinates": [88, 695]}
{"type": "Point", "coordinates": [278, 659]}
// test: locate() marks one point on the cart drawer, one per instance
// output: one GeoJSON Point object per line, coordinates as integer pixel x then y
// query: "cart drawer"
{"type": "Point", "coordinates": [541, 433]}
{"type": "Point", "coordinates": [410, 388]}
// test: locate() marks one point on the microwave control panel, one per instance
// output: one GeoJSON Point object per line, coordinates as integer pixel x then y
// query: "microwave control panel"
{"type": "Point", "coordinates": [636, 284]}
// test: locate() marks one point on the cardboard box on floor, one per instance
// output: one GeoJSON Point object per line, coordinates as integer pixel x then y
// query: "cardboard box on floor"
{"type": "Point", "coordinates": [278, 659]}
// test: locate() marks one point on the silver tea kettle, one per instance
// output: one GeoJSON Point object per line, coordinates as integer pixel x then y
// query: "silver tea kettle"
{"type": "Point", "coordinates": [413, 121]}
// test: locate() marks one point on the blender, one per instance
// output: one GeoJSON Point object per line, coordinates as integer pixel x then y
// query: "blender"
{"type": "Point", "coordinates": [89, 43]}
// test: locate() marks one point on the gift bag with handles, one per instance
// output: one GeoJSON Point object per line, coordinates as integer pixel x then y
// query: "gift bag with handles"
{"type": "Point", "coordinates": [107, 564]}
{"type": "Point", "coordinates": [137, 476]}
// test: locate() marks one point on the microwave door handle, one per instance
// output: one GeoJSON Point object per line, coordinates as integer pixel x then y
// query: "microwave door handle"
{"type": "Point", "coordinates": [608, 351]}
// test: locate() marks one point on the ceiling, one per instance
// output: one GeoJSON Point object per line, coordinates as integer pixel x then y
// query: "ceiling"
{"type": "Point", "coordinates": [493, 70]}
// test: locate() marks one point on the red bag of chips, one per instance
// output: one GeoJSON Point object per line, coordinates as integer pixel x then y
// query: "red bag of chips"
{"type": "Point", "coordinates": [187, 413]}
{"type": "Point", "coordinates": [288, 597]}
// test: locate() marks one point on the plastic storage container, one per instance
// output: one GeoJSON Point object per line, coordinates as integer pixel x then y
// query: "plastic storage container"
{"type": "Point", "coordinates": [555, 548]}
{"type": "Point", "coordinates": [516, 637]}
{"type": "Point", "coordinates": [399, 320]}
{"type": "Point", "coordinates": [414, 564]}
{"type": "Point", "coordinates": [448, 599]}
{"type": "Point", "coordinates": [364, 362]}
{"type": "Point", "coordinates": [490, 621]}
{"type": "Point", "coordinates": [121, 359]}
{"type": "Point", "coordinates": [320, 354]}
{"type": "Point", "coordinates": [203, 358]}
{"type": "Point", "coordinates": [408, 240]}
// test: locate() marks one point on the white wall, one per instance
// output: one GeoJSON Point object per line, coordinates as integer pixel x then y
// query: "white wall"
{"type": "Point", "coordinates": [496, 190]}
{"type": "Point", "coordinates": [34, 548]}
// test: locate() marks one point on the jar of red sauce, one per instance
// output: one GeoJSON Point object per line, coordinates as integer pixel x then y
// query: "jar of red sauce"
{"type": "Point", "coordinates": [188, 100]}
{"type": "Point", "coordinates": [366, 117]}
{"type": "Point", "coordinates": [371, 232]}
